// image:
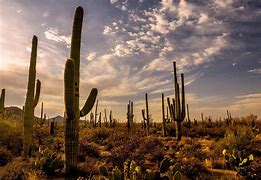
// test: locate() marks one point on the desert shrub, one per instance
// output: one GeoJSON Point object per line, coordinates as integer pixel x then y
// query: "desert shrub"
{"type": "Point", "coordinates": [5, 156]}
{"type": "Point", "coordinates": [150, 149]}
{"type": "Point", "coordinates": [100, 136]}
{"type": "Point", "coordinates": [11, 137]}
{"type": "Point", "coordinates": [88, 149]}
{"type": "Point", "coordinates": [240, 139]}
{"type": "Point", "coordinates": [122, 147]}
{"type": "Point", "coordinates": [49, 162]}
{"type": "Point", "coordinates": [192, 168]}
{"type": "Point", "coordinates": [15, 170]}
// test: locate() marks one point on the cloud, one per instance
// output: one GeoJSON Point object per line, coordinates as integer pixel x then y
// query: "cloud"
{"type": "Point", "coordinates": [257, 71]}
{"type": "Point", "coordinates": [91, 56]}
{"type": "Point", "coordinates": [54, 35]}
{"type": "Point", "coordinates": [113, 1]}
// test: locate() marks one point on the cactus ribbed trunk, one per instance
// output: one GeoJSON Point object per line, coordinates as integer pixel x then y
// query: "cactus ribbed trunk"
{"type": "Point", "coordinates": [71, 96]}
{"type": "Point", "coordinates": [2, 101]}
{"type": "Point", "coordinates": [148, 116]}
{"type": "Point", "coordinates": [189, 122]}
{"type": "Point", "coordinates": [31, 101]}
{"type": "Point", "coordinates": [163, 117]}
{"type": "Point", "coordinates": [178, 109]}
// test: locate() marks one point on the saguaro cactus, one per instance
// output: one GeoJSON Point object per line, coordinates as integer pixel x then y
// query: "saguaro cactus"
{"type": "Point", "coordinates": [189, 122]}
{"type": "Point", "coordinates": [146, 115]}
{"type": "Point", "coordinates": [2, 101]}
{"type": "Point", "coordinates": [32, 97]}
{"type": "Point", "coordinates": [130, 116]}
{"type": "Point", "coordinates": [71, 96]}
{"type": "Point", "coordinates": [163, 117]}
{"type": "Point", "coordinates": [178, 108]}
{"type": "Point", "coordinates": [95, 114]}
{"type": "Point", "coordinates": [111, 119]}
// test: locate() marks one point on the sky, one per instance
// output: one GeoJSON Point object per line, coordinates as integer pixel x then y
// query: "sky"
{"type": "Point", "coordinates": [127, 50]}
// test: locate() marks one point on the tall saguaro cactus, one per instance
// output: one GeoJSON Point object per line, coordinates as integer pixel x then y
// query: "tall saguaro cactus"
{"type": "Point", "coordinates": [178, 108]}
{"type": "Point", "coordinates": [163, 117]}
{"type": "Point", "coordinates": [2, 101]}
{"type": "Point", "coordinates": [146, 116]}
{"type": "Point", "coordinates": [130, 117]}
{"type": "Point", "coordinates": [32, 97]}
{"type": "Point", "coordinates": [71, 96]}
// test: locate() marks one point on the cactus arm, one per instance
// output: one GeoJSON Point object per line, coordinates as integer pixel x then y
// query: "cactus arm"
{"type": "Point", "coordinates": [69, 88]}
{"type": "Point", "coordinates": [143, 114]}
{"type": "Point", "coordinates": [37, 92]}
{"type": "Point", "coordinates": [89, 102]}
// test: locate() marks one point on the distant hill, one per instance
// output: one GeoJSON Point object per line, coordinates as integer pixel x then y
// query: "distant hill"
{"type": "Point", "coordinates": [13, 112]}
{"type": "Point", "coordinates": [58, 119]}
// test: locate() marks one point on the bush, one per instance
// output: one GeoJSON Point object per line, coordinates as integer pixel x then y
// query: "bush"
{"type": "Point", "coordinates": [5, 156]}
{"type": "Point", "coordinates": [15, 170]}
{"type": "Point", "coordinates": [88, 149]}
{"type": "Point", "coordinates": [240, 139]}
{"type": "Point", "coordinates": [100, 136]}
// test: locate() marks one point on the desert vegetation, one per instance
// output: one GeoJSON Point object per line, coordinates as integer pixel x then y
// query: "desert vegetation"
{"type": "Point", "coordinates": [174, 147]}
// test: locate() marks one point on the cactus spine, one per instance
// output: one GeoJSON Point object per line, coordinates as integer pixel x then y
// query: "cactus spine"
{"type": "Point", "coordinates": [178, 108]}
{"type": "Point", "coordinates": [71, 96]}
{"type": "Point", "coordinates": [2, 101]}
{"type": "Point", "coordinates": [32, 97]}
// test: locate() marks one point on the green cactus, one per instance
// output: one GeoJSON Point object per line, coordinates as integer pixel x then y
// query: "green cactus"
{"type": "Point", "coordinates": [2, 101]}
{"type": "Point", "coordinates": [52, 128]}
{"type": "Point", "coordinates": [177, 108]}
{"type": "Point", "coordinates": [114, 175]}
{"type": "Point", "coordinates": [163, 117]}
{"type": "Point", "coordinates": [40, 121]}
{"type": "Point", "coordinates": [32, 97]}
{"type": "Point", "coordinates": [111, 118]}
{"type": "Point", "coordinates": [189, 121]}
{"type": "Point", "coordinates": [145, 116]}
{"type": "Point", "coordinates": [95, 114]}
{"type": "Point", "coordinates": [71, 96]}
{"type": "Point", "coordinates": [130, 117]}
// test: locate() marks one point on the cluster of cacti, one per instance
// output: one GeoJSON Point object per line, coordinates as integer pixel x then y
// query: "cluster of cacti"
{"type": "Point", "coordinates": [177, 108]}
{"type": "Point", "coordinates": [2, 101]}
{"type": "Point", "coordinates": [71, 96]}
{"type": "Point", "coordinates": [32, 97]}
{"type": "Point", "coordinates": [167, 171]}
{"type": "Point", "coordinates": [115, 174]}
{"type": "Point", "coordinates": [229, 118]}
{"type": "Point", "coordinates": [145, 116]}
{"type": "Point", "coordinates": [131, 171]}
{"type": "Point", "coordinates": [49, 162]}
{"type": "Point", "coordinates": [242, 165]}
{"type": "Point", "coordinates": [130, 116]}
